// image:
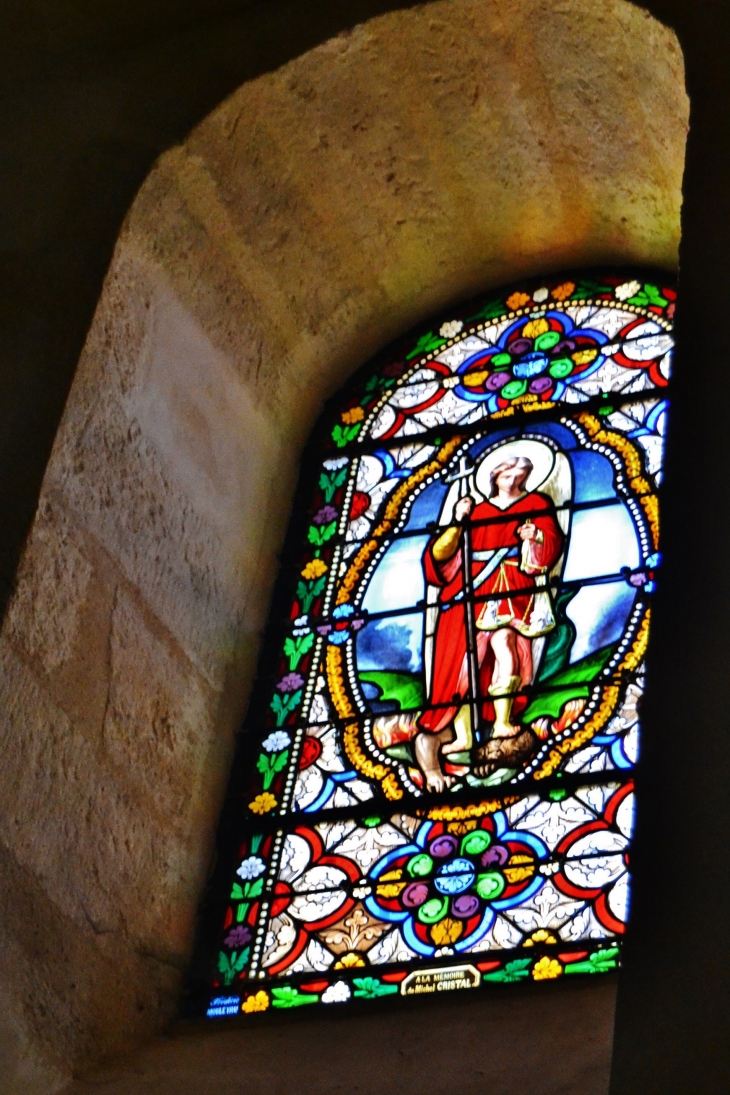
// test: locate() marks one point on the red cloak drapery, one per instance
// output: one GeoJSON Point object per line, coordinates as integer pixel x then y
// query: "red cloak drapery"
{"type": "Point", "coordinates": [523, 606]}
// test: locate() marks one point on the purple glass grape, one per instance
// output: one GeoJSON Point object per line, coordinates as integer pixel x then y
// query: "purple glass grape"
{"type": "Point", "coordinates": [465, 906]}
{"type": "Point", "coordinates": [443, 846]}
{"type": "Point", "coordinates": [520, 346]}
{"type": "Point", "coordinates": [415, 895]}
{"type": "Point", "coordinates": [496, 855]}
{"type": "Point", "coordinates": [542, 384]}
{"type": "Point", "coordinates": [496, 381]}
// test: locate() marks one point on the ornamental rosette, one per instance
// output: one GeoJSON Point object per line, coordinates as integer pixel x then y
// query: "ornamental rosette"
{"type": "Point", "coordinates": [533, 360]}
{"type": "Point", "coordinates": [444, 889]}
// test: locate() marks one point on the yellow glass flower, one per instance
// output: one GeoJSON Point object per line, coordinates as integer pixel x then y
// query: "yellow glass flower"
{"type": "Point", "coordinates": [540, 936]}
{"type": "Point", "coordinates": [315, 569]}
{"type": "Point", "coordinates": [584, 357]}
{"type": "Point", "coordinates": [536, 327]}
{"type": "Point", "coordinates": [349, 960]}
{"type": "Point", "coordinates": [263, 803]}
{"type": "Point", "coordinates": [447, 931]}
{"type": "Point", "coordinates": [547, 969]}
{"type": "Point", "coordinates": [390, 889]}
{"type": "Point", "coordinates": [258, 1002]}
{"type": "Point", "coordinates": [518, 874]}
{"type": "Point", "coordinates": [562, 292]}
{"type": "Point", "coordinates": [356, 414]}
{"type": "Point", "coordinates": [518, 300]}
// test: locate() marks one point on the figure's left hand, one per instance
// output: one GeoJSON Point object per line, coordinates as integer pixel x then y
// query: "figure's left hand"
{"type": "Point", "coordinates": [527, 532]}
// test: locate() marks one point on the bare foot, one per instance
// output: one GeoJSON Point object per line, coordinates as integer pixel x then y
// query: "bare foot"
{"type": "Point", "coordinates": [437, 781]}
{"type": "Point", "coordinates": [427, 755]}
{"type": "Point", "coordinates": [505, 730]}
{"type": "Point", "coordinates": [462, 742]}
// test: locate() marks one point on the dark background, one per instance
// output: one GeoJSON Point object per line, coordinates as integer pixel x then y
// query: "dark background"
{"type": "Point", "coordinates": [91, 92]}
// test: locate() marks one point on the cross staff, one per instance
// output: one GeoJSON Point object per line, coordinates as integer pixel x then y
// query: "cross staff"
{"type": "Point", "coordinates": [463, 477]}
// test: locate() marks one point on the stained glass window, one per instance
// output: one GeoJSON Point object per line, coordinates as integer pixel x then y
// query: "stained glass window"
{"type": "Point", "coordinates": [436, 790]}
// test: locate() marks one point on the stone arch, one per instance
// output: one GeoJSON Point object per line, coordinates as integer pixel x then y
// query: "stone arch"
{"type": "Point", "coordinates": [318, 212]}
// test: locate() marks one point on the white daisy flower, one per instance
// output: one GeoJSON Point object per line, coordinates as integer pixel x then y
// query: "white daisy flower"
{"type": "Point", "coordinates": [251, 868]}
{"type": "Point", "coordinates": [628, 289]}
{"type": "Point", "coordinates": [276, 742]}
{"type": "Point", "coordinates": [451, 329]}
{"type": "Point", "coordinates": [540, 295]}
{"type": "Point", "coordinates": [339, 993]}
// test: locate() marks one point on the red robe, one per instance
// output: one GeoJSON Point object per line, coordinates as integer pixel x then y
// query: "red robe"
{"type": "Point", "coordinates": [525, 607]}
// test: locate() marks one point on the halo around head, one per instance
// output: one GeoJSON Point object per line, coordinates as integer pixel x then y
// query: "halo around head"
{"type": "Point", "coordinates": [540, 455]}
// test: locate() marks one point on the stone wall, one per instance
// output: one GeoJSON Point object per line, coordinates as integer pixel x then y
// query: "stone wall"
{"type": "Point", "coordinates": [316, 214]}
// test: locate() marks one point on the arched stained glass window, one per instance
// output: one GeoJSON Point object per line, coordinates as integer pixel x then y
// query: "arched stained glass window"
{"type": "Point", "coordinates": [437, 793]}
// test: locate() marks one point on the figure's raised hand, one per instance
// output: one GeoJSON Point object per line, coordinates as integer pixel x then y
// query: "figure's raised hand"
{"type": "Point", "coordinates": [463, 508]}
{"type": "Point", "coordinates": [527, 531]}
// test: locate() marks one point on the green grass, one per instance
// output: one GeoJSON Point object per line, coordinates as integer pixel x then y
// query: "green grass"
{"type": "Point", "coordinates": [405, 688]}
{"type": "Point", "coordinates": [571, 683]}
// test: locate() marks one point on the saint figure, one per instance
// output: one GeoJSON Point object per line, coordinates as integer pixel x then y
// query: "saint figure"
{"type": "Point", "coordinates": [515, 541]}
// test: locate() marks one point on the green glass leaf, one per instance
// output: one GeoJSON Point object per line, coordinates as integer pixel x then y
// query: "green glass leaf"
{"type": "Point", "coordinates": [284, 705]}
{"type": "Point", "coordinates": [492, 310]}
{"type": "Point", "coordinates": [547, 341]}
{"type": "Point", "coordinates": [420, 865]}
{"type": "Point", "coordinates": [513, 389]}
{"type": "Point", "coordinates": [513, 971]}
{"type": "Point", "coordinates": [241, 960]}
{"type": "Point", "coordinates": [599, 962]}
{"type": "Point", "coordinates": [490, 885]}
{"type": "Point", "coordinates": [343, 435]}
{"type": "Point", "coordinates": [229, 966]}
{"type": "Point", "coordinates": [320, 535]}
{"type": "Point", "coordinates": [561, 368]}
{"type": "Point", "coordinates": [288, 997]}
{"type": "Point", "coordinates": [434, 910]}
{"type": "Point", "coordinates": [330, 482]}
{"type": "Point", "coordinates": [475, 843]}
{"type": "Point", "coordinates": [296, 648]}
{"type": "Point", "coordinates": [248, 890]}
{"type": "Point", "coordinates": [370, 987]}
{"type": "Point", "coordinates": [426, 344]}
{"type": "Point", "coordinates": [254, 888]}
{"type": "Point", "coordinates": [655, 297]}
{"type": "Point", "coordinates": [587, 288]}
{"type": "Point", "coordinates": [307, 592]}
{"type": "Point", "coordinates": [277, 763]}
